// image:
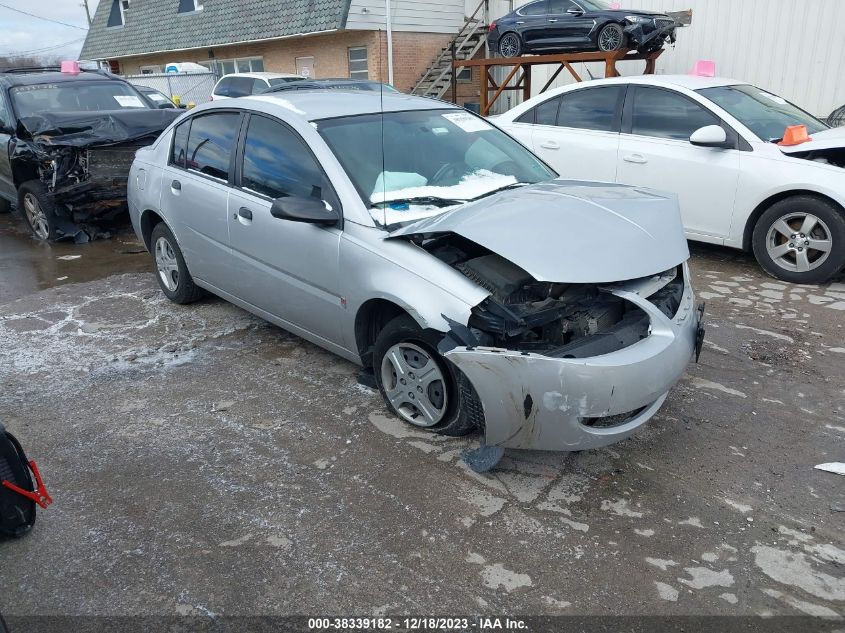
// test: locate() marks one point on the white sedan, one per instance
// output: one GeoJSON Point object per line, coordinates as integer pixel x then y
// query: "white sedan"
{"type": "Point", "coordinates": [716, 143]}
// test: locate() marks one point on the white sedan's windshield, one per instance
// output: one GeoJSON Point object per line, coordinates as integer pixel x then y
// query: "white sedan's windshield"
{"type": "Point", "coordinates": [410, 165]}
{"type": "Point", "coordinates": [764, 113]}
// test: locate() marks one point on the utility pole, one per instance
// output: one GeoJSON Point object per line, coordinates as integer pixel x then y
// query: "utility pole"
{"type": "Point", "coordinates": [389, 42]}
{"type": "Point", "coordinates": [87, 11]}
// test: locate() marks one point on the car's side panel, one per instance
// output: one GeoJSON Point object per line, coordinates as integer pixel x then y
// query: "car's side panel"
{"type": "Point", "coordinates": [289, 269]}
{"type": "Point", "coordinates": [577, 154]}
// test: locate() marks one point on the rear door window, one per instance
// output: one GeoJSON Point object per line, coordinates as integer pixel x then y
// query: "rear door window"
{"type": "Point", "coordinates": [210, 143]}
{"type": "Point", "coordinates": [665, 114]}
{"type": "Point", "coordinates": [535, 8]}
{"type": "Point", "coordinates": [592, 109]}
{"type": "Point", "coordinates": [180, 144]}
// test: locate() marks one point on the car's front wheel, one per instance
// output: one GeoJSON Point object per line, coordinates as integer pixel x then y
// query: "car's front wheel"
{"type": "Point", "coordinates": [38, 210]}
{"type": "Point", "coordinates": [510, 45]}
{"type": "Point", "coordinates": [611, 38]}
{"type": "Point", "coordinates": [418, 385]}
{"type": "Point", "coordinates": [801, 240]}
{"type": "Point", "coordinates": [171, 272]}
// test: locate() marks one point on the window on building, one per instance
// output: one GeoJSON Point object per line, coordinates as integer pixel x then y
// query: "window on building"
{"type": "Point", "coordinates": [277, 163]}
{"type": "Point", "coordinates": [464, 75]}
{"type": "Point", "coordinates": [358, 63]}
{"type": "Point", "coordinates": [151, 70]}
{"type": "Point", "coordinates": [188, 6]}
{"type": "Point", "coordinates": [591, 109]}
{"type": "Point", "coordinates": [210, 143]}
{"type": "Point", "coordinates": [665, 114]}
{"type": "Point", "coordinates": [116, 17]}
{"type": "Point", "coordinates": [239, 65]}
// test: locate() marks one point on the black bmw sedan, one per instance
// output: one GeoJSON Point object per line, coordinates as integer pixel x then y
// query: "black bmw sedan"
{"type": "Point", "coordinates": [578, 25]}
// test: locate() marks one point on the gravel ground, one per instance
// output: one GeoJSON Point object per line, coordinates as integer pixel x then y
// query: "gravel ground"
{"type": "Point", "coordinates": [205, 462]}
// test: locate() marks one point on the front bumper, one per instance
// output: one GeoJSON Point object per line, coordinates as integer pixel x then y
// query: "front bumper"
{"type": "Point", "coordinates": [650, 36]}
{"type": "Point", "coordinates": [531, 401]}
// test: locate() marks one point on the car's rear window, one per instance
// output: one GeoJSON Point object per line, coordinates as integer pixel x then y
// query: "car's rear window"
{"type": "Point", "coordinates": [82, 96]}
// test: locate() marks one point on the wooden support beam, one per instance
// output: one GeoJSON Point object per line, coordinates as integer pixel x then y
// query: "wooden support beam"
{"type": "Point", "coordinates": [507, 80]}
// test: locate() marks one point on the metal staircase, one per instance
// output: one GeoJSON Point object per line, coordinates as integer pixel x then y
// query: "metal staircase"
{"type": "Point", "coordinates": [469, 40]}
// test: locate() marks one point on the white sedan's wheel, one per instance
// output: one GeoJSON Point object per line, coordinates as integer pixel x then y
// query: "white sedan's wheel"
{"type": "Point", "coordinates": [799, 242]}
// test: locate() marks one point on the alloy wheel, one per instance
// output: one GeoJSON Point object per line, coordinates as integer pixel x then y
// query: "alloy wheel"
{"type": "Point", "coordinates": [36, 217]}
{"type": "Point", "coordinates": [414, 384]}
{"type": "Point", "coordinates": [799, 242]}
{"type": "Point", "coordinates": [509, 46]}
{"type": "Point", "coordinates": [610, 39]}
{"type": "Point", "coordinates": [167, 264]}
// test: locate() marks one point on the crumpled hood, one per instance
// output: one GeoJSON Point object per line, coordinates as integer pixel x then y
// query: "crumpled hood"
{"type": "Point", "coordinates": [827, 139]}
{"type": "Point", "coordinates": [87, 129]}
{"type": "Point", "coordinates": [571, 231]}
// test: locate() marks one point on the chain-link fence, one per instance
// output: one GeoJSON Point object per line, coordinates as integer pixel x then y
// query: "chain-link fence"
{"type": "Point", "coordinates": [837, 118]}
{"type": "Point", "coordinates": [189, 87]}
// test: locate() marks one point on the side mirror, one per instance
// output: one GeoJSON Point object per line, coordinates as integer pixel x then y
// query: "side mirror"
{"type": "Point", "coordinates": [308, 210]}
{"type": "Point", "coordinates": [710, 136]}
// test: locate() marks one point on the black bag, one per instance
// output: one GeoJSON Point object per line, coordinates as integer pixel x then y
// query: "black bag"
{"type": "Point", "coordinates": [18, 494]}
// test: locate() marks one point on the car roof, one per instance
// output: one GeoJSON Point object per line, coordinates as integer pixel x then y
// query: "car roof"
{"type": "Point", "coordinates": [261, 75]}
{"type": "Point", "coordinates": [690, 82]}
{"type": "Point", "coordinates": [53, 76]}
{"type": "Point", "coordinates": [326, 104]}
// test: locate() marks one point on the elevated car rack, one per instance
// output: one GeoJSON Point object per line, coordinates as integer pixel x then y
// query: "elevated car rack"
{"type": "Point", "coordinates": [565, 60]}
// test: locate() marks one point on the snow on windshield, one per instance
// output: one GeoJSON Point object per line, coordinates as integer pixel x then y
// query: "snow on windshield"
{"type": "Point", "coordinates": [398, 186]}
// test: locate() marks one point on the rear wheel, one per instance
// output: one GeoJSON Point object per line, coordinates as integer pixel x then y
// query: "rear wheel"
{"type": "Point", "coordinates": [510, 45]}
{"type": "Point", "coordinates": [38, 210]}
{"type": "Point", "coordinates": [417, 384]}
{"type": "Point", "coordinates": [171, 272]}
{"type": "Point", "coordinates": [611, 38]}
{"type": "Point", "coordinates": [801, 240]}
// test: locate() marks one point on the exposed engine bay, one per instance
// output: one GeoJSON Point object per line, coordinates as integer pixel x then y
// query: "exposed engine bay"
{"type": "Point", "coordinates": [832, 156]}
{"type": "Point", "coordinates": [557, 320]}
{"type": "Point", "coordinates": [83, 160]}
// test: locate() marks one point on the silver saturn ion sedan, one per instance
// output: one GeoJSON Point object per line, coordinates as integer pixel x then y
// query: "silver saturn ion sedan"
{"type": "Point", "coordinates": [418, 240]}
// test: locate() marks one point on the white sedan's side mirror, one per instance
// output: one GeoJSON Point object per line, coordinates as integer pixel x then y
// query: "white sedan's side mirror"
{"type": "Point", "coordinates": [709, 136]}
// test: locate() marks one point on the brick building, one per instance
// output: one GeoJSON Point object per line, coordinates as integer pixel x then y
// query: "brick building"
{"type": "Point", "coordinates": [321, 38]}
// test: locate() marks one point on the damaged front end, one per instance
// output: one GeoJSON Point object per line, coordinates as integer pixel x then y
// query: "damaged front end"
{"type": "Point", "coordinates": [568, 366]}
{"type": "Point", "coordinates": [83, 161]}
{"type": "Point", "coordinates": [648, 35]}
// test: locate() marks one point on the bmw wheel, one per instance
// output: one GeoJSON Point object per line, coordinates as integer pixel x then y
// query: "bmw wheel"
{"type": "Point", "coordinates": [510, 45]}
{"type": "Point", "coordinates": [801, 239]}
{"type": "Point", "coordinates": [611, 38]}
{"type": "Point", "coordinates": [171, 272]}
{"type": "Point", "coordinates": [418, 385]}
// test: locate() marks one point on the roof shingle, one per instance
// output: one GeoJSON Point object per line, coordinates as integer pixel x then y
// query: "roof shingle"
{"type": "Point", "coordinates": [156, 25]}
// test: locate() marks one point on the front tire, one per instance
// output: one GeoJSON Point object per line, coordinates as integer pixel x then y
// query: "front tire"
{"type": "Point", "coordinates": [171, 272]}
{"type": "Point", "coordinates": [38, 210]}
{"type": "Point", "coordinates": [510, 45]}
{"type": "Point", "coordinates": [418, 385]}
{"type": "Point", "coordinates": [801, 240]}
{"type": "Point", "coordinates": [611, 38]}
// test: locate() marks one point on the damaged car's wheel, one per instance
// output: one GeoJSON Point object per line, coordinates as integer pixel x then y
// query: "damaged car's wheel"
{"type": "Point", "coordinates": [172, 273]}
{"type": "Point", "coordinates": [801, 240]}
{"type": "Point", "coordinates": [418, 385]}
{"type": "Point", "coordinates": [611, 38]}
{"type": "Point", "coordinates": [38, 210]}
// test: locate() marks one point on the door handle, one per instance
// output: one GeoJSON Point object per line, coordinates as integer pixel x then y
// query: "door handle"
{"type": "Point", "coordinates": [245, 213]}
{"type": "Point", "coordinates": [176, 185]}
{"type": "Point", "coordinates": [549, 145]}
{"type": "Point", "coordinates": [638, 159]}
{"type": "Point", "coordinates": [520, 21]}
{"type": "Point", "coordinates": [552, 21]}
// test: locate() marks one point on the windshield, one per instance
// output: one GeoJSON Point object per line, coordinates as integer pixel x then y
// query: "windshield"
{"type": "Point", "coordinates": [423, 161]}
{"type": "Point", "coordinates": [82, 96]}
{"type": "Point", "coordinates": [763, 113]}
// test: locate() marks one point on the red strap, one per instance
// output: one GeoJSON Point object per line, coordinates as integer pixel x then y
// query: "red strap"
{"type": "Point", "coordinates": [40, 496]}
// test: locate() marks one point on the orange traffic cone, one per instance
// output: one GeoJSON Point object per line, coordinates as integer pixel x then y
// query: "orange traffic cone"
{"type": "Point", "coordinates": [795, 135]}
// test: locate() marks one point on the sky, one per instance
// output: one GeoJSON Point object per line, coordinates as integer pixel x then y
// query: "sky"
{"type": "Point", "coordinates": [22, 34]}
